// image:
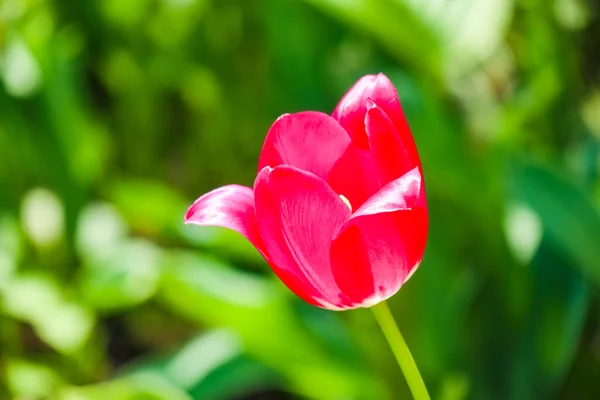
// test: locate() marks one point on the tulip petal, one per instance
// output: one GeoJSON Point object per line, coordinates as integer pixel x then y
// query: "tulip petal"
{"type": "Point", "coordinates": [354, 176]}
{"type": "Point", "coordinates": [310, 140]}
{"type": "Point", "coordinates": [384, 94]}
{"type": "Point", "coordinates": [350, 111]}
{"type": "Point", "coordinates": [298, 214]}
{"type": "Point", "coordinates": [388, 152]}
{"type": "Point", "coordinates": [380, 247]}
{"type": "Point", "coordinates": [404, 193]}
{"type": "Point", "coordinates": [231, 207]}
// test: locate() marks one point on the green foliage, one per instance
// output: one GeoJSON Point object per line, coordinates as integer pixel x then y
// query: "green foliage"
{"type": "Point", "coordinates": [115, 115]}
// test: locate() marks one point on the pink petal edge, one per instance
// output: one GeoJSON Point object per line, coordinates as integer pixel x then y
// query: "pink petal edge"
{"type": "Point", "coordinates": [231, 207]}
{"type": "Point", "coordinates": [387, 150]}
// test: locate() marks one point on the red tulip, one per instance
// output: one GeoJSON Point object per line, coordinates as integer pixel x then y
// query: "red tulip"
{"type": "Point", "coordinates": [338, 207]}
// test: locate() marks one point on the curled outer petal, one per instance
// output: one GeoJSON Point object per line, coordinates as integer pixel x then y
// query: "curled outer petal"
{"type": "Point", "coordinates": [231, 207]}
{"type": "Point", "coordinates": [382, 244]}
{"type": "Point", "coordinates": [298, 214]}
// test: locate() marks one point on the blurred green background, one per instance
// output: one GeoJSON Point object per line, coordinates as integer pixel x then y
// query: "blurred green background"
{"type": "Point", "coordinates": [116, 114]}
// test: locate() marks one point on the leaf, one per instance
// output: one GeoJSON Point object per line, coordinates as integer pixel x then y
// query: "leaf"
{"type": "Point", "coordinates": [214, 295]}
{"type": "Point", "coordinates": [30, 380]}
{"type": "Point", "coordinates": [566, 213]}
{"type": "Point", "coordinates": [125, 275]}
{"type": "Point", "coordinates": [559, 294]}
{"type": "Point", "coordinates": [37, 299]}
{"type": "Point", "coordinates": [210, 366]}
{"type": "Point", "coordinates": [139, 387]}
{"type": "Point", "coordinates": [395, 26]}
{"type": "Point", "coordinates": [150, 207]}
{"type": "Point", "coordinates": [548, 342]}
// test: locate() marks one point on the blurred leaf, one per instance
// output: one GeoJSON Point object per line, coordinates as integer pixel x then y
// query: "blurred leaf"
{"type": "Point", "coordinates": [80, 138]}
{"type": "Point", "coordinates": [523, 231]}
{"type": "Point", "coordinates": [149, 207]}
{"type": "Point", "coordinates": [380, 18]}
{"type": "Point", "coordinates": [193, 362]}
{"type": "Point", "coordinates": [446, 312]}
{"type": "Point", "coordinates": [560, 293]}
{"type": "Point", "coordinates": [125, 275]}
{"type": "Point", "coordinates": [567, 215]}
{"type": "Point", "coordinates": [329, 330]}
{"type": "Point", "coordinates": [469, 30]}
{"type": "Point", "coordinates": [210, 366]}
{"type": "Point", "coordinates": [42, 217]}
{"type": "Point", "coordinates": [37, 299]}
{"type": "Point", "coordinates": [100, 228]}
{"type": "Point", "coordinates": [125, 16]}
{"type": "Point", "coordinates": [556, 318]}
{"type": "Point", "coordinates": [10, 248]}
{"type": "Point", "coordinates": [238, 377]}
{"type": "Point", "coordinates": [19, 69]}
{"type": "Point", "coordinates": [139, 387]}
{"type": "Point", "coordinates": [532, 101]}
{"type": "Point", "coordinates": [30, 380]}
{"type": "Point", "coordinates": [455, 387]}
{"type": "Point", "coordinates": [223, 242]}
{"type": "Point", "coordinates": [212, 294]}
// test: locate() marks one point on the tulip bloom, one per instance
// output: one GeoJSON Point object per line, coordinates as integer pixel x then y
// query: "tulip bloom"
{"type": "Point", "coordinates": [338, 207]}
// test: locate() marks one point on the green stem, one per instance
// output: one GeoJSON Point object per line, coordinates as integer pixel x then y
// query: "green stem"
{"type": "Point", "coordinates": [411, 373]}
